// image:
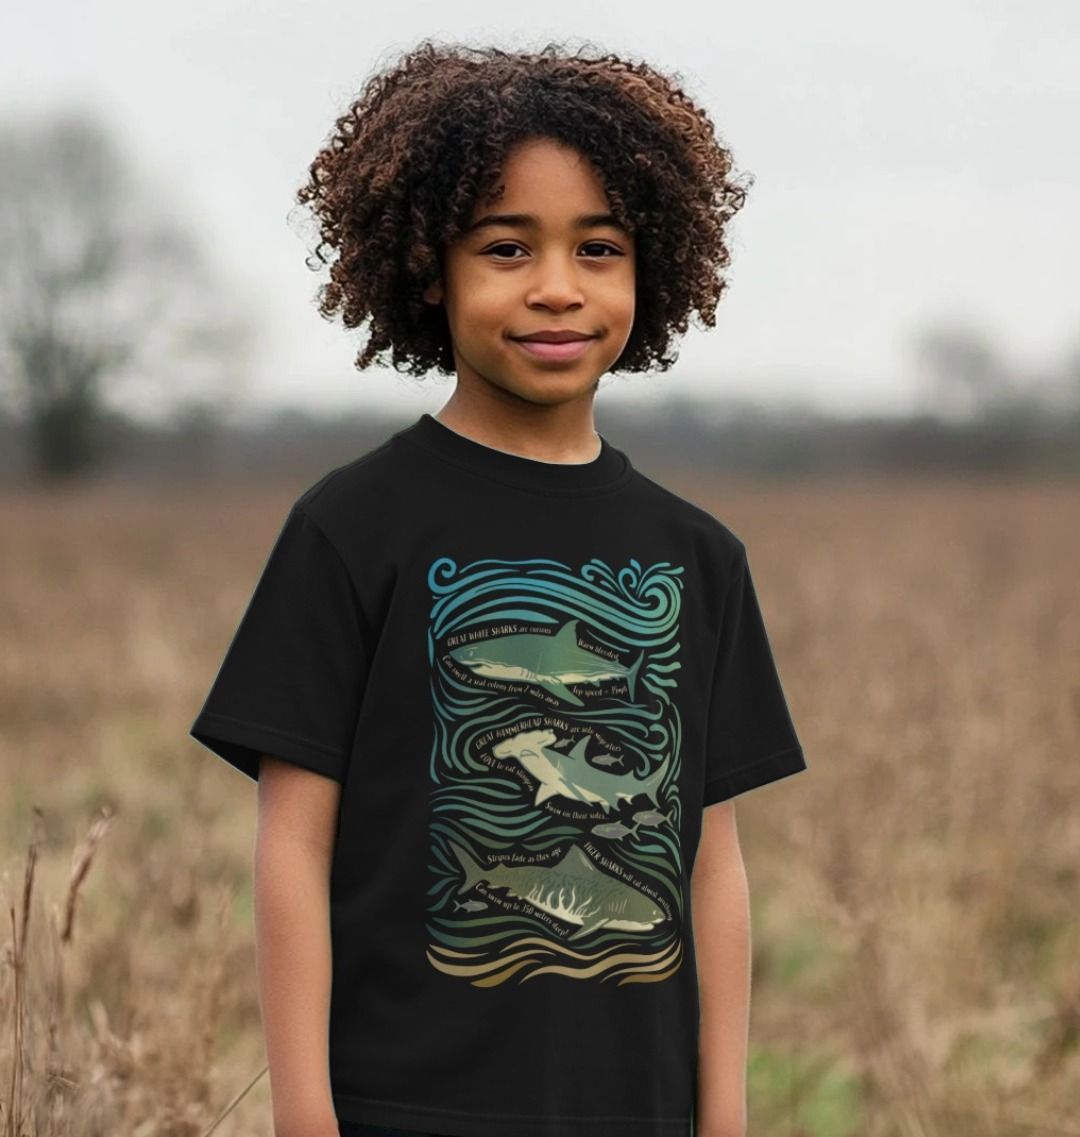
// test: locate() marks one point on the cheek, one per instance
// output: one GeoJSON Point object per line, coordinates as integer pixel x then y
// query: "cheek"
{"type": "Point", "coordinates": [624, 302]}
{"type": "Point", "coordinates": [481, 304]}
{"type": "Point", "coordinates": [475, 315]}
{"type": "Point", "coordinates": [621, 288]}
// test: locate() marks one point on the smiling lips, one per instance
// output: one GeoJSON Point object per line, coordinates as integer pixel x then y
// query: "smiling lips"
{"type": "Point", "coordinates": [555, 344]}
{"type": "Point", "coordinates": [554, 335]}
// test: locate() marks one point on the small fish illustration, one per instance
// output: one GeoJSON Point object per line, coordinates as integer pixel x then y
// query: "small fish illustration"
{"type": "Point", "coordinates": [651, 817]}
{"type": "Point", "coordinates": [612, 829]}
{"type": "Point", "coordinates": [471, 905]}
{"type": "Point", "coordinates": [572, 775]}
{"type": "Point", "coordinates": [603, 759]}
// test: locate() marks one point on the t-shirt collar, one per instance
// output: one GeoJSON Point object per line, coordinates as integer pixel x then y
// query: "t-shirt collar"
{"type": "Point", "coordinates": [609, 469]}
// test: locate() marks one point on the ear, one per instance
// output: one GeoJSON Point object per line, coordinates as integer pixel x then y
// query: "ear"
{"type": "Point", "coordinates": [433, 294]}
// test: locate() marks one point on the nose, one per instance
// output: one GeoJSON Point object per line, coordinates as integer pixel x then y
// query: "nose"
{"type": "Point", "coordinates": [556, 284]}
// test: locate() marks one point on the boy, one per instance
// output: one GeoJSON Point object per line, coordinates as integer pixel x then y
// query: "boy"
{"type": "Point", "coordinates": [492, 677]}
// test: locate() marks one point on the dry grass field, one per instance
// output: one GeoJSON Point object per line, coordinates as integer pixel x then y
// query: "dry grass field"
{"type": "Point", "coordinates": [915, 892]}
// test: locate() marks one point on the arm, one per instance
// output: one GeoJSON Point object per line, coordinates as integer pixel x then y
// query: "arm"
{"type": "Point", "coordinates": [294, 843]}
{"type": "Point", "coordinates": [721, 921]}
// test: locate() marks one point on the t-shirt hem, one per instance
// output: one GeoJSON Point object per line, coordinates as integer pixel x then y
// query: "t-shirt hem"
{"type": "Point", "coordinates": [759, 773]}
{"type": "Point", "coordinates": [242, 744]}
{"type": "Point", "coordinates": [398, 1115]}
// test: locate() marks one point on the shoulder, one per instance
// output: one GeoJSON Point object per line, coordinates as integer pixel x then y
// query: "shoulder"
{"type": "Point", "coordinates": [715, 538]}
{"type": "Point", "coordinates": [354, 494]}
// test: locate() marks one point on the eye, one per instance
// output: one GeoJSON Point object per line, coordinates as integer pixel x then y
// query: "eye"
{"type": "Point", "coordinates": [504, 245]}
{"type": "Point", "coordinates": [606, 248]}
{"type": "Point", "coordinates": [591, 245]}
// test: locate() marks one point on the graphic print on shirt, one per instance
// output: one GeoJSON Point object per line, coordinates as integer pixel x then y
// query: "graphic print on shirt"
{"type": "Point", "coordinates": [555, 807]}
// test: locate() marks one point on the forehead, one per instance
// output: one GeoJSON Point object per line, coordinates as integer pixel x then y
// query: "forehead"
{"type": "Point", "coordinates": [546, 184]}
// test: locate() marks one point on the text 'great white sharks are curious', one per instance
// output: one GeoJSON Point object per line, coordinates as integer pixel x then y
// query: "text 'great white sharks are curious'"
{"type": "Point", "coordinates": [552, 662]}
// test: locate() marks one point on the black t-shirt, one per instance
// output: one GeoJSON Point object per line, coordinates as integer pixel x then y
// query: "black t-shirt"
{"type": "Point", "coordinates": [529, 679]}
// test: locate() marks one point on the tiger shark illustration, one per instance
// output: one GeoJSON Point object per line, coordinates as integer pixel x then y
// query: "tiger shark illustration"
{"type": "Point", "coordinates": [570, 775]}
{"type": "Point", "coordinates": [552, 662]}
{"type": "Point", "coordinates": [573, 889]}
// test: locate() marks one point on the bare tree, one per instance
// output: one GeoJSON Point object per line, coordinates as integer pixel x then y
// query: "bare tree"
{"type": "Point", "coordinates": [95, 286]}
{"type": "Point", "coordinates": [965, 377]}
{"type": "Point", "coordinates": [965, 374]}
{"type": "Point", "coordinates": [1069, 385]}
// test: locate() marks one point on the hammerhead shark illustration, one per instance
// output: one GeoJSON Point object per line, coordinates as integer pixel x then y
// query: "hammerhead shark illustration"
{"type": "Point", "coordinates": [570, 775]}
{"type": "Point", "coordinates": [574, 890]}
{"type": "Point", "coordinates": [552, 662]}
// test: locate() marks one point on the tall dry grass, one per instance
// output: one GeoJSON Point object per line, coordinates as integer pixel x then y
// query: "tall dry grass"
{"type": "Point", "coordinates": [916, 941]}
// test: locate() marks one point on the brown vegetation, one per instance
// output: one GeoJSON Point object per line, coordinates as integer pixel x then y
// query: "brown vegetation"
{"type": "Point", "coordinates": [915, 930]}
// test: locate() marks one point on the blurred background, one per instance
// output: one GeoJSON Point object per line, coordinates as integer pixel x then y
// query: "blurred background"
{"type": "Point", "coordinates": [887, 412]}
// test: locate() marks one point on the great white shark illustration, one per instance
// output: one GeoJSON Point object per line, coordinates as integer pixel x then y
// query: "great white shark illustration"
{"type": "Point", "coordinates": [570, 775]}
{"type": "Point", "coordinates": [550, 661]}
{"type": "Point", "coordinates": [573, 889]}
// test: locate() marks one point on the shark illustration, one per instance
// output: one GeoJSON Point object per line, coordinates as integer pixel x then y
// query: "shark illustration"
{"type": "Point", "coordinates": [570, 775]}
{"type": "Point", "coordinates": [553, 662]}
{"type": "Point", "coordinates": [574, 890]}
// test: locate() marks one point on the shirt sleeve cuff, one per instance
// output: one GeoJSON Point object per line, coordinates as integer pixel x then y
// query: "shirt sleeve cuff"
{"type": "Point", "coordinates": [758, 773]}
{"type": "Point", "coordinates": [242, 744]}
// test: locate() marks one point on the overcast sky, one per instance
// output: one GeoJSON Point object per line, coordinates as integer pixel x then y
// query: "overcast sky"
{"type": "Point", "coordinates": [913, 162]}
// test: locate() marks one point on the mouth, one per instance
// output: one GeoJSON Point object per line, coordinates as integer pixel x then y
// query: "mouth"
{"type": "Point", "coordinates": [555, 352]}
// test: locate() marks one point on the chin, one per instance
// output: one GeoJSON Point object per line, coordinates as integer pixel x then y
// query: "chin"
{"type": "Point", "coordinates": [540, 395]}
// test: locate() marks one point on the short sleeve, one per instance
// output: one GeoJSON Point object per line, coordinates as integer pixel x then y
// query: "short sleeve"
{"type": "Point", "coordinates": [292, 678]}
{"type": "Point", "coordinates": [751, 739]}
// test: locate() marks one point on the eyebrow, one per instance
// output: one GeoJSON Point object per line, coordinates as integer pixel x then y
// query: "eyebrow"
{"type": "Point", "coordinates": [529, 220]}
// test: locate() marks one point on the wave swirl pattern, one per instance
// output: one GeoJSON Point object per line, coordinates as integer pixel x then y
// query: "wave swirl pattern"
{"type": "Point", "coordinates": [555, 807]}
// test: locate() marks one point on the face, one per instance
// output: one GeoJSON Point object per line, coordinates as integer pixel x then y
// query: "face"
{"type": "Point", "coordinates": [562, 263]}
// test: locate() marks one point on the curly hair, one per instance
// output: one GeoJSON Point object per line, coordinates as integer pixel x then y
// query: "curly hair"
{"type": "Point", "coordinates": [400, 173]}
